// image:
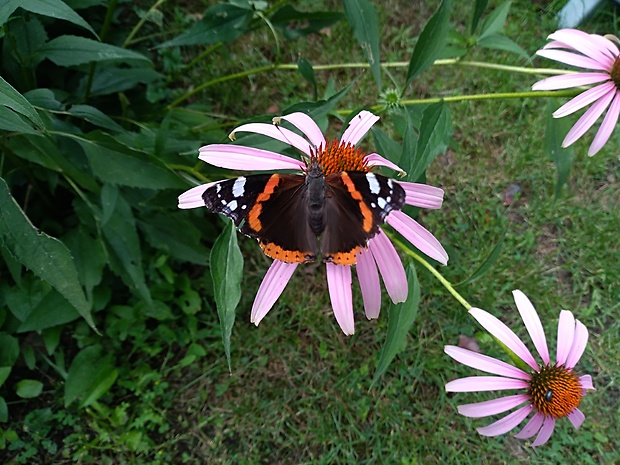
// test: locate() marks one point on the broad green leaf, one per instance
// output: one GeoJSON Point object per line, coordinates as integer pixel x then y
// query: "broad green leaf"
{"type": "Point", "coordinates": [386, 146]}
{"type": "Point", "coordinates": [95, 116]}
{"type": "Point", "coordinates": [89, 257]}
{"type": "Point", "coordinates": [113, 79]}
{"type": "Point", "coordinates": [487, 263]}
{"type": "Point", "coordinates": [45, 256]}
{"type": "Point", "coordinates": [4, 374]}
{"type": "Point", "coordinates": [81, 4]}
{"type": "Point", "coordinates": [294, 24]}
{"type": "Point", "coordinates": [73, 51]}
{"type": "Point", "coordinates": [4, 410]}
{"type": "Point", "coordinates": [435, 132]}
{"type": "Point", "coordinates": [44, 98]}
{"type": "Point", "coordinates": [90, 375]}
{"type": "Point", "coordinates": [401, 318]}
{"type": "Point", "coordinates": [220, 23]}
{"type": "Point", "coordinates": [494, 23]}
{"type": "Point", "coordinates": [307, 72]}
{"type": "Point", "coordinates": [12, 99]}
{"type": "Point", "coordinates": [409, 147]}
{"type": "Point", "coordinates": [51, 338]}
{"type": "Point", "coordinates": [56, 9]}
{"type": "Point", "coordinates": [555, 131]}
{"type": "Point", "coordinates": [29, 388]}
{"type": "Point", "coordinates": [226, 272]}
{"type": "Point", "coordinates": [9, 350]}
{"type": "Point", "coordinates": [431, 42]}
{"type": "Point", "coordinates": [500, 42]}
{"type": "Point", "coordinates": [362, 17]}
{"type": "Point", "coordinates": [12, 122]}
{"type": "Point", "coordinates": [478, 10]}
{"type": "Point", "coordinates": [27, 36]}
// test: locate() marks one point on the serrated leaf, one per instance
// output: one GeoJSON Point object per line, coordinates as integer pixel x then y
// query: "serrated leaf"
{"type": "Point", "coordinates": [56, 9]}
{"type": "Point", "coordinates": [307, 72]}
{"type": "Point", "coordinates": [70, 50]}
{"type": "Point", "coordinates": [500, 42]}
{"type": "Point", "coordinates": [226, 273]}
{"type": "Point", "coordinates": [29, 388]}
{"type": "Point", "coordinates": [90, 375]}
{"type": "Point", "coordinates": [556, 129]}
{"type": "Point", "coordinates": [95, 116]}
{"type": "Point", "coordinates": [45, 256]}
{"type": "Point", "coordinates": [401, 318]}
{"type": "Point", "coordinates": [362, 17]}
{"type": "Point", "coordinates": [494, 23]}
{"type": "Point", "coordinates": [12, 99]}
{"type": "Point", "coordinates": [479, 8]}
{"type": "Point", "coordinates": [431, 42]}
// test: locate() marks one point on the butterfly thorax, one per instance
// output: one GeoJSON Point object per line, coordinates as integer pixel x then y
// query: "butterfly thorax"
{"type": "Point", "coordinates": [315, 185]}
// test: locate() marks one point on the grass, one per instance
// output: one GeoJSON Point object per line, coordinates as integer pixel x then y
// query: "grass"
{"type": "Point", "coordinates": [300, 391]}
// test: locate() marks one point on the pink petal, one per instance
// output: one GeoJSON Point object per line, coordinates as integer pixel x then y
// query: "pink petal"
{"type": "Point", "coordinates": [419, 236]}
{"type": "Point", "coordinates": [390, 267]}
{"type": "Point", "coordinates": [572, 59]}
{"type": "Point", "coordinates": [566, 333]}
{"type": "Point", "coordinates": [485, 383]}
{"type": "Point", "coordinates": [276, 132]}
{"type": "Point", "coordinates": [505, 335]}
{"type": "Point", "coordinates": [374, 159]}
{"type": "Point", "coordinates": [359, 125]}
{"type": "Point", "coordinates": [584, 99]}
{"type": "Point", "coordinates": [507, 423]}
{"type": "Point", "coordinates": [485, 363]}
{"type": "Point", "coordinates": [580, 341]}
{"type": "Point", "coordinates": [193, 198]}
{"type": "Point", "coordinates": [545, 432]}
{"type": "Point", "coordinates": [587, 119]}
{"type": "Point", "coordinates": [339, 285]}
{"type": "Point", "coordinates": [306, 125]}
{"type": "Point", "coordinates": [369, 283]}
{"type": "Point", "coordinates": [607, 126]}
{"type": "Point", "coordinates": [583, 42]}
{"type": "Point", "coordinates": [532, 323]}
{"type": "Point", "coordinates": [492, 407]}
{"type": "Point", "coordinates": [422, 195]}
{"type": "Point", "coordinates": [274, 282]}
{"type": "Point", "coordinates": [586, 382]}
{"type": "Point", "coordinates": [566, 81]}
{"type": "Point", "coordinates": [576, 417]}
{"type": "Point", "coordinates": [532, 427]}
{"type": "Point", "coordinates": [239, 157]}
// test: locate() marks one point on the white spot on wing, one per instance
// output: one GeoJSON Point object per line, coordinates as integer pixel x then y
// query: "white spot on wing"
{"type": "Point", "coordinates": [232, 205]}
{"type": "Point", "coordinates": [382, 203]}
{"type": "Point", "coordinates": [373, 183]}
{"type": "Point", "coordinates": [238, 188]}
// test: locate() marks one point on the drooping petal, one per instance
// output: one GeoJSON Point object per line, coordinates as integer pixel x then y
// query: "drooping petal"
{"type": "Point", "coordinates": [359, 125]}
{"type": "Point", "coordinates": [545, 432]}
{"type": "Point", "coordinates": [238, 157]}
{"type": "Point", "coordinates": [532, 427]}
{"type": "Point", "coordinates": [586, 382]}
{"type": "Point", "coordinates": [505, 335]}
{"type": "Point", "coordinates": [374, 159]}
{"type": "Point", "coordinates": [419, 236]}
{"type": "Point", "coordinates": [584, 99]}
{"type": "Point", "coordinates": [276, 132]}
{"type": "Point", "coordinates": [507, 423]}
{"type": "Point", "coordinates": [485, 363]}
{"type": "Point", "coordinates": [390, 267]}
{"type": "Point", "coordinates": [532, 323]}
{"type": "Point", "coordinates": [566, 333]}
{"type": "Point", "coordinates": [192, 198]}
{"type": "Point", "coordinates": [306, 125]}
{"type": "Point", "coordinates": [587, 119]}
{"type": "Point", "coordinates": [572, 59]}
{"type": "Point", "coordinates": [422, 195]}
{"type": "Point", "coordinates": [370, 285]}
{"type": "Point", "coordinates": [340, 295]}
{"type": "Point", "coordinates": [492, 407]}
{"type": "Point", "coordinates": [566, 81]}
{"type": "Point", "coordinates": [576, 417]}
{"type": "Point", "coordinates": [607, 126]}
{"type": "Point", "coordinates": [274, 282]}
{"type": "Point", "coordinates": [582, 42]}
{"type": "Point", "coordinates": [580, 341]}
{"type": "Point", "coordinates": [485, 383]}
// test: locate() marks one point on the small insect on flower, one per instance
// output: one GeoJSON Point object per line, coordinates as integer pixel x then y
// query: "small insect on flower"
{"type": "Point", "coordinates": [335, 206]}
{"type": "Point", "coordinates": [552, 391]}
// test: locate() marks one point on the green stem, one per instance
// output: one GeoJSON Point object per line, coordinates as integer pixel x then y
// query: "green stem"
{"type": "Point", "coordinates": [140, 23]}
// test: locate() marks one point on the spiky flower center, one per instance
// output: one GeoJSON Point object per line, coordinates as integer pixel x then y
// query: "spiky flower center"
{"type": "Point", "coordinates": [615, 73]}
{"type": "Point", "coordinates": [337, 156]}
{"type": "Point", "coordinates": [555, 391]}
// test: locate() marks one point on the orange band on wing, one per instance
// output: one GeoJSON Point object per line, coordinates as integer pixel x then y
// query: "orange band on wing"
{"type": "Point", "coordinates": [366, 212]}
{"type": "Point", "coordinates": [343, 258]}
{"type": "Point", "coordinates": [254, 213]}
{"type": "Point", "coordinates": [289, 256]}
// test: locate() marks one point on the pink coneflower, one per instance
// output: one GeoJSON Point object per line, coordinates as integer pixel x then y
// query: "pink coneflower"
{"type": "Point", "coordinates": [330, 160]}
{"type": "Point", "coordinates": [551, 391]}
{"type": "Point", "coordinates": [592, 52]}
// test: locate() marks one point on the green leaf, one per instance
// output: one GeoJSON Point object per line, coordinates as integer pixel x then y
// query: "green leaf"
{"type": "Point", "coordinates": [4, 410]}
{"type": "Point", "coordinates": [386, 146]}
{"type": "Point", "coordinates": [563, 158]}
{"type": "Point", "coordinates": [220, 23]}
{"type": "Point", "coordinates": [9, 350]}
{"type": "Point", "coordinates": [90, 375]}
{"type": "Point", "coordinates": [307, 72]}
{"type": "Point", "coordinates": [95, 116]}
{"type": "Point", "coordinates": [73, 51]}
{"type": "Point", "coordinates": [29, 388]}
{"type": "Point", "coordinates": [494, 23]}
{"type": "Point", "coordinates": [27, 36]}
{"type": "Point", "coordinates": [113, 79]}
{"type": "Point", "coordinates": [431, 42]}
{"type": "Point", "coordinates": [479, 8]}
{"type": "Point", "coordinates": [500, 42]}
{"type": "Point", "coordinates": [12, 99]}
{"type": "Point", "coordinates": [488, 262]}
{"type": "Point", "coordinates": [11, 121]}
{"type": "Point", "coordinates": [435, 132]}
{"type": "Point", "coordinates": [44, 98]}
{"type": "Point", "coordinates": [362, 17]}
{"type": "Point", "coordinates": [294, 24]}
{"type": "Point", "coordinates": [4, 374]}
{"type": "Point", "coordinates": [226, 272]}
{"type": "Point", "coordinates": [89, 257]}
{"type": "Point", "coordinates": [46, 256]}
{"type": "Point", "coordinates": [56, 9]}
{"type": "Point", "coordinates": [401, 318]}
